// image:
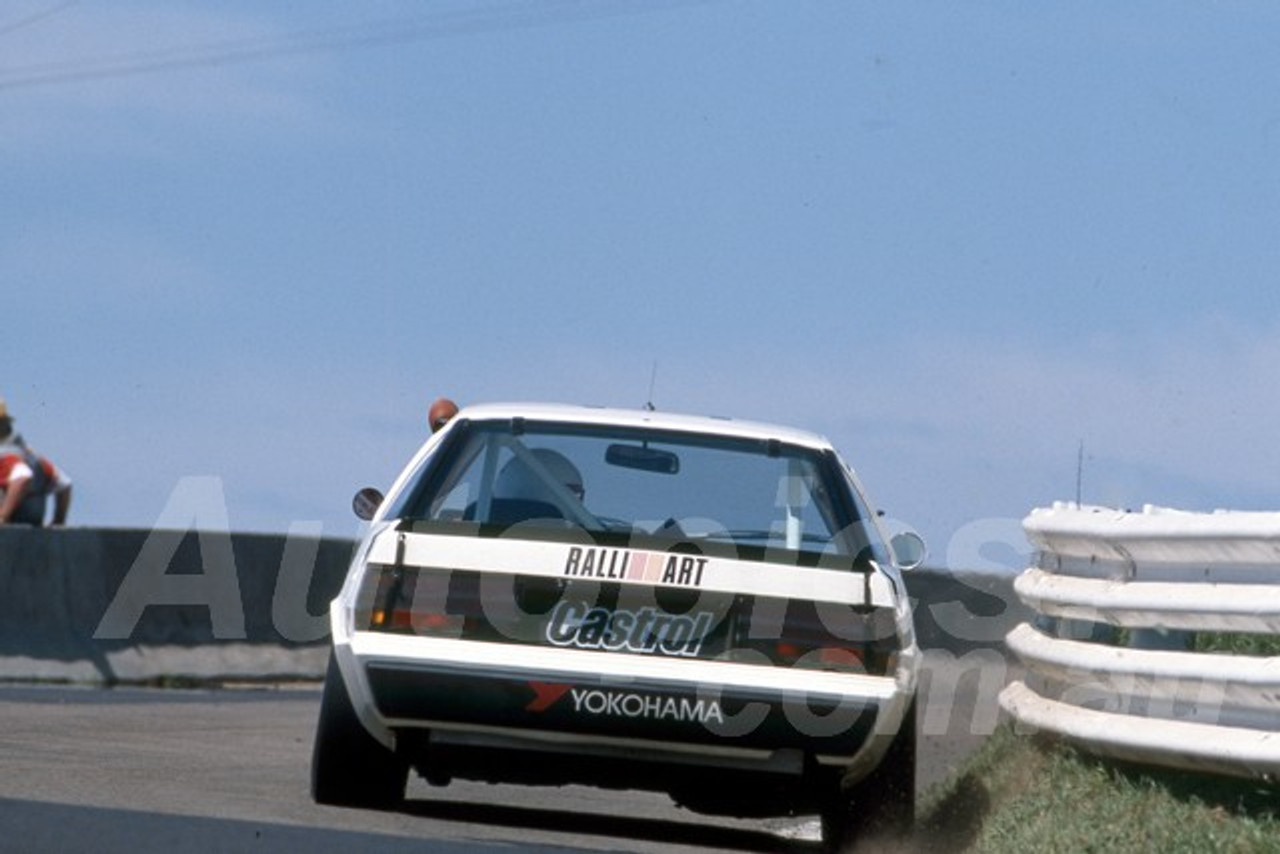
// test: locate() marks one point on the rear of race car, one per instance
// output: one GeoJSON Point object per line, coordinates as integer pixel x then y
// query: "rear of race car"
{"type": "Point", "coordinates": [742, 671]}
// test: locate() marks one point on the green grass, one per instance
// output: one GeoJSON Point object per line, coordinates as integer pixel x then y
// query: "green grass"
{"type": "Point", "coordinates": [1223, 643]}
{"type": "Point", "coordinates": [1237, 644]}
{"type": "Point", "coordinates": [1020, 794]}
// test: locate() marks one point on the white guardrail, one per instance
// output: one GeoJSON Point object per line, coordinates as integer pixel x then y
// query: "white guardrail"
{"type": "Point", "coordinates": [1163, 575]}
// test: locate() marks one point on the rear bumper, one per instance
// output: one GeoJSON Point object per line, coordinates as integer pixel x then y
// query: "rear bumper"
{"type": "Point", "coordinates": [708, 715]}
{"type": "Point", "coordinates": [721, 709]}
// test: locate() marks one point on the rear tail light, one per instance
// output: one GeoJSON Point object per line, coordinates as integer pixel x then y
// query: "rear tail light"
{"type": "Point", "coordinates": [821, 658]}
{"type": "Point", "coordinates": [819, 653]}
{"type": "Point", "coordinates": [801, 634]}
{"type": "Point", "coordinates": [410, 601]}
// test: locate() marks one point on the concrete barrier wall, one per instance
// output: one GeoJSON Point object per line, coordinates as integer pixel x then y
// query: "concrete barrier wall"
{"type": "Point", "coordinates": [116, 605]}
{"type": "Point", "coordinates": [79, 604]}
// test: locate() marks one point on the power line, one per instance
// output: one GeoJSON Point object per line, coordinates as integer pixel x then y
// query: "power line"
{"type": "Point", "coordinates": [36, 18]}
{"type": "Point", "coordinates": [513, 16]}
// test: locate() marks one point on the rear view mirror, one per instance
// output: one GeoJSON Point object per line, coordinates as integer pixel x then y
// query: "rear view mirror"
{"type": "Point", "coordinates": [642, 457]}
{"type": "Point", "coordinates": [366, 503]}
{"type": "Point", "coordinates": [909, 549]}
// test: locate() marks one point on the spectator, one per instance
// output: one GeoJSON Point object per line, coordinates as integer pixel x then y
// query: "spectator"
{"type": "Point", "coordinates": [8, 436]}
{"type": "Point", "coordinates": [440, 412]}
{"type": "Point", "coordinates": [27, 479]}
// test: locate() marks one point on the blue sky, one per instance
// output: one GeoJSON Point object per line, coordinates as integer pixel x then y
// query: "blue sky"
{"type": "Point", "coordinates": [253, 241]}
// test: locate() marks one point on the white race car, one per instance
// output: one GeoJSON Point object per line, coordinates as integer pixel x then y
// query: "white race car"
{"type": "Point", "coordinates": [628, 599]}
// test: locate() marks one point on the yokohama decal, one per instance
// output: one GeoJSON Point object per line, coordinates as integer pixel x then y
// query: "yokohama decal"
{"type": "Point", "coordinates": [617, 704]}
{"type": "Point", "coordinates": [547, 695]}
{"type": "Point", "coordinates": [603, 702]}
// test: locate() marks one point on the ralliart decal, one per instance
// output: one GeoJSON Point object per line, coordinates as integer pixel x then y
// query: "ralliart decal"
{"type": "Point", "coordinates": [624, 564]}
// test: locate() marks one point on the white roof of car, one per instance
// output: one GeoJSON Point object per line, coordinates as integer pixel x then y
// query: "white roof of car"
{"type": "Point", "coordinates": [644, 418]}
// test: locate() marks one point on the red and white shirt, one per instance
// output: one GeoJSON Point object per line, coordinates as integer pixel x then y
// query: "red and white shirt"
{"type": "Point", "coordinates": [14, 467]}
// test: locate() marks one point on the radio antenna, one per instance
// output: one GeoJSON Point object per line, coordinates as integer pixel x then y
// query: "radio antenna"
{"type": "Point", "coordinates": [653, 381]}
{"type": "Point", "coordinates": [1079, 472]}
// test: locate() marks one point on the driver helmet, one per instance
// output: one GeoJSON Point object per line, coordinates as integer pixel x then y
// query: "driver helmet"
{"type": "Point", "coordinates": [517, 480]}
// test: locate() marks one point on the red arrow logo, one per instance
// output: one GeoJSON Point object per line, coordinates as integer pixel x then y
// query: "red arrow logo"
{"type": "Point", "coordinates": [546, 695]}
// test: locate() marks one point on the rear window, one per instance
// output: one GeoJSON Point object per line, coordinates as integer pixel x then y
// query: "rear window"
{"type": "Point", "coordinates": [666, 485]}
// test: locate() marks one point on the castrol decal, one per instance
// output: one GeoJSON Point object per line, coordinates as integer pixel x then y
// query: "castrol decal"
{"type": "Point", "coordinates": [647, 630]}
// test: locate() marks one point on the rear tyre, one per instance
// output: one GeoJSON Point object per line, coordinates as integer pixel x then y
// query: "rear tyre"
{"type": "Point", "coordinates": [349, 767]}
{"type": "Point", "coordinates": [883, 805]}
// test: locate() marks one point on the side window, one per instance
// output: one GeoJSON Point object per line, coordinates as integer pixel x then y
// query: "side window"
{"type": "Point", "coordinates": [452, 506]}
{"type": "Point", "coordinates": [801, 516]}
{"type": "Point", "coordinates": [865, 535]}
{"type": "Point", "coordinates": [471, 484]}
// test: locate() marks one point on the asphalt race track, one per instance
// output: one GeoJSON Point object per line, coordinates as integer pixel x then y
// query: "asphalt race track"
{"type": "Point", "coordinates": [145, 770]}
